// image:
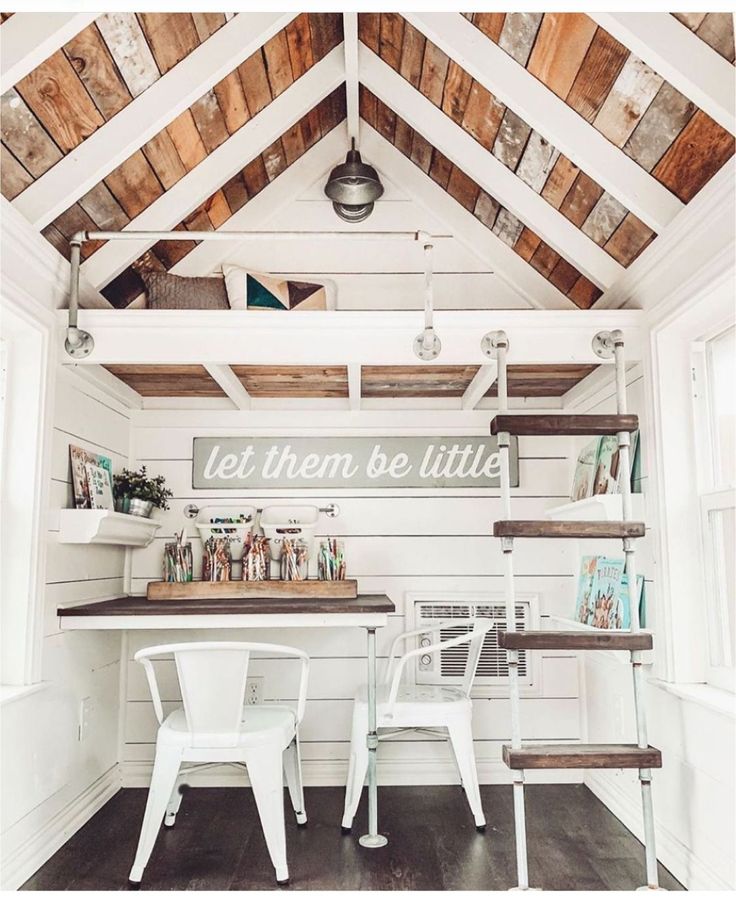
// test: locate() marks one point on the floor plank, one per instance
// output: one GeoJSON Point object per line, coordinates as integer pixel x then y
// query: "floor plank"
{"type": "Point", "coordinates": [217, 843]}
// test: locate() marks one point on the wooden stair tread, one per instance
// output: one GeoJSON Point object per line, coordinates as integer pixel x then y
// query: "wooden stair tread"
{"type": "Point", "coordinates": [563, 425]}
{"type": "Point", "coordinates": [575, 640]}
{"type": "Point", "coordinates": [600, 757]}
{"type": "Point", "coordinates": [549, 528]}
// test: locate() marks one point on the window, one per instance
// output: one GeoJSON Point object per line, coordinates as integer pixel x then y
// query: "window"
{"type": "Point", "coordinates": [714, 376]}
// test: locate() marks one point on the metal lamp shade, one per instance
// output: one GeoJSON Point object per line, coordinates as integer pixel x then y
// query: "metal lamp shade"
{"type": "Point", "coordinates": [353, 186]}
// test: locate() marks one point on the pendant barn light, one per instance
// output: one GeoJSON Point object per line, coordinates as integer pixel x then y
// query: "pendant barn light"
{"type": "Point", "coordinates": [427, 344]}
{"type": "Point", "coordinates": [353, 186]}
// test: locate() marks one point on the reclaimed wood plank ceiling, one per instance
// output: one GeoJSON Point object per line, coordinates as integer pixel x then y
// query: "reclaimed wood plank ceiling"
{"type": "Point", "coordinates": [80, 88]}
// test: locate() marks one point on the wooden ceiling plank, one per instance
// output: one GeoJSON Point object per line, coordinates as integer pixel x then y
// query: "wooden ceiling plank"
{"type": "Point", "coordinates": [628, 240]}
{"type": "Point", "coordinates": [486, 170]}
{"type": "Point", "coordinates": [25, 136]}
{"type": "Point", "coordinates": [518, 33]}
{"type": "Point", "coordinates": [481, 383]}
{"type": "Point", "coordinates": [562, 42]}
{"type": "Point", "coordinates": [233, 388]}
{"type": "Point", "coordinates": [299, 39]}
{"type": "Point", "coordinates": [231, 98]}
{"type": "Point", "coordinates": [210, 122]}
{"type": "Point", "coordinates": [278, 63]}
{"type": "Point", "coordinates": [547, 114]}
{"type": "Point", "coordinates": [171, 37]}
{"type": "Point", "coordinates": [15, 177]}
{"type": "Point", "coordinates": [628, 100]}
{"type": "Point", "coordinates": [537, 161]}
{"type": "Point", "coordinates": [134, 185]}
{"type": "Point", "coordinates": [601, 66]}
{"type": "Point", "coordinates": [161, 153]}
{"type": "Point", "coordinates": [123, 35]}
{"type": "Point", "coordinates": [717, 30]}
{"type": "Point", "coordinates": [27, 39]}
{"type": "Point", "coordinates": [223, 163]}
{"type": "Point", "coordinates": [91, 59]}
{"type": "Point", "coordinates": [412, 54]}
{"type": "Point", "coordinates": [482, 113]}
{"type": "Point", "coordinates": [666, 117]}
{"type": "Point", "coordinates": [207, 24]}
{"type": "Point", "coordinates": [680, 57]}
{"type": "Point", "coordinates": [434, 73]}
{"type": "Point", "coordinates": [151, 111]}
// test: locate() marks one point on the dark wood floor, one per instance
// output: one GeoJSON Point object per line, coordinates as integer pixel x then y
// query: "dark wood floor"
{"type": "Point", "coordinates": [574, 843]}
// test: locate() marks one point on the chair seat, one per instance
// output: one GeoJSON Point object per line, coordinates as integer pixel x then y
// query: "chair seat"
{"type": "Point", "coordinates": [415, 704]}
{"type": "Point", "coordinates": [260, 725]}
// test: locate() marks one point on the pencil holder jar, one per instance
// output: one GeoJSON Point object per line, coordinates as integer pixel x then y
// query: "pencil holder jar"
{"type": "Point", "coordinates": [177, 562]}
{"type": "Point", "coordinates": [294, 560]}
{"type": "Point", "coordinates": [217, 563]}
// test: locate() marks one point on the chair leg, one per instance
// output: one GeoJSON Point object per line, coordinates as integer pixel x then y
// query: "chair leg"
{"type": "Point", "coordinates": [172, 808]}
{"type": "Point", "coordinates": [165, 771]}
{"type": "Point", "coordinates": [358, 766]}
{"type": "Point", "coordinates": [265, 769]}
{"type": "Point", "coordinates": [461, 739]}
{"type": "Point", "coordinates": [293, 772]}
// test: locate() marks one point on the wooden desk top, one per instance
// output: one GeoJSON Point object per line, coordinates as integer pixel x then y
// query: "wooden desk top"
{"type": "Point", "coordinates": [140, 606]}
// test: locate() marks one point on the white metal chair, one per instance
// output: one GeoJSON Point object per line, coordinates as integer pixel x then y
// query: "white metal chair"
{"type": "Point", "coordinates": [215, 726]}
{"type": "Point", "coordinates": [402, 707]}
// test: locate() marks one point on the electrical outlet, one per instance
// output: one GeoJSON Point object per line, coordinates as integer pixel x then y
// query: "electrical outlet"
{"type": "Point", "coordinates": [86, 709]}
{"type": "Point", "coordinates": [254, 690]}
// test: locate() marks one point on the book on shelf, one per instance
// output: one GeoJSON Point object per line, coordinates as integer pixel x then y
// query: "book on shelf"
{"type": "Point", "coordinates": [598, 467]}
{"type": "Point", "coordinates": [603, 599]}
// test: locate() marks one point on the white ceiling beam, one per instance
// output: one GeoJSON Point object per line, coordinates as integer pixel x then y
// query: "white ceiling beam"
{"type": "Point", "coordinates": [225, 377]}
{"type": "Point", "coordinates": [549, 115]}
{"type": "Point", "coordinates": [467, 229]}
{"type": "Point", "coordinates": [219, 166]}
{"type": "Point", "coordinates": [350, 30]}
{"type": "Point", "coordinates": [680, 57]}
{"type": "Point", "coordinates": [354, 387]}
{"type": "Point", "coordinates": [144, 117]}
{"type": "Point", "coordinates": [102, 379]}
{"type": "Point", "coordinates": [483, 380]}
{"type": "Point", "coordinates": [27, 39]}
{"type": "Point", "coordinates": [475, 161]}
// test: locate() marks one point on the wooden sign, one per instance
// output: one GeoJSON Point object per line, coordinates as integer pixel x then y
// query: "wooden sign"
{"type": "Point", "coordinates": [242, 463]}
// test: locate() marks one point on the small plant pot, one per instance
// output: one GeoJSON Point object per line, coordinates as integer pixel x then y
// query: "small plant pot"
{"type": "Point", "coordinates": [143, 508]}
{"type": "Point", "coordinates": [122, 504]}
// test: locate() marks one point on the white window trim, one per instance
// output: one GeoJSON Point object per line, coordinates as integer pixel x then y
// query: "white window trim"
{"type": "Point", "coordinates": [30, 332]}
{"type": "Point", "coordinates": [682, 595]}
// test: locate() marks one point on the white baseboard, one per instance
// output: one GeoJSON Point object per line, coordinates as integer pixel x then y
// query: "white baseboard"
{"type": "Point", "coordinates": [21, 863]}
{"type": "Point", "coordinates": [137, 774]}
{"type": "Point", "coordinates": [679, 860]}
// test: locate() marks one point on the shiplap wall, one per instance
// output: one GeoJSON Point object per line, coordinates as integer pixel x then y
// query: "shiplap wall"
{"type": "Point", "coordinates": [694, 791]}
{"type": "Point", "coordinates": [428, 542]}
{"type": "Point", "coordinates": [50, 778]}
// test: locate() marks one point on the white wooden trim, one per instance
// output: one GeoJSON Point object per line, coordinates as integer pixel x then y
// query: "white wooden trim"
{"type": "Point", "coordinates": [549, 115]}
{"type": "Point", "coordinates": [27, 39]}
{"type": "Point", "coordinates": [680, 57]}
{"type": "Point", "coordinates": [354, 387]}
{"type": "Point", "coordinates": [508, 266]}
{"type": "Point", "coordinates": [463, 150]}
{"type": "Point", "coordinates": [311, 404]}
{"type": "Point", "coordinates": [231, 386]}
{"type": "Point", "coordinates": [350, 32]}
{"type": "Point", "coordinates": [145, 116]}
{"type": "Point", "coordinates": [102, 379]}
{"type": "Point", "coordinates": [483, 380]}
{"type": "Point", "coordinates": [226, 620]}
{"type": "Point", "coordinates": [332, 337]}
{"type": "Point", "coordinates": [219, 166]}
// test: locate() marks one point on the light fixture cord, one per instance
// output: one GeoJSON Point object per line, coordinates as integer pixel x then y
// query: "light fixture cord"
{"type": "Point", "coordinates": [428, 297]}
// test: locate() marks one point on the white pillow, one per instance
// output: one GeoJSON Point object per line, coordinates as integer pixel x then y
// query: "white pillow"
{"type": "Point", "coordinates": [236, 285]}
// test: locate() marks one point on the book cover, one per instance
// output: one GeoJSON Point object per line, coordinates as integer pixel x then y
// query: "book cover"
{"type": "Point", "coordinates": [625, 602]}
{"type": "Point", "coordinates": [582, 485]}
{"type": "Point", "coordinates": [100, 487]}
{"type": "Point", "coordinates": [607, 466]}
{"type": "Point", "coordinates": [79, 459]}
{"type": "Point", "coordinates": [583, 608]}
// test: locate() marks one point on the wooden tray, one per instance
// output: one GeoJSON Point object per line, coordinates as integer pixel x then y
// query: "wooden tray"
{"type": "Point", "coordinates": [219, 590]}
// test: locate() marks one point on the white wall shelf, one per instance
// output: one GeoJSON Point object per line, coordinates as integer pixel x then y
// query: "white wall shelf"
{"type": "Point", "coordinates": [102, 526]}
{"type": "Point", "coordinates": [601, 507]}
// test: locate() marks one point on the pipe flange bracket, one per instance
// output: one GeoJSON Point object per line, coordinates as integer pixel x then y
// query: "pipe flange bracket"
{"type": "Point", "coordinates": [427, 351]}
{"type": "Point", "coordinates": [78, 343]}
{"type": "Point", "coordinates": [491, 342]}
{"type": "Point", "coordinates": [605, 342]}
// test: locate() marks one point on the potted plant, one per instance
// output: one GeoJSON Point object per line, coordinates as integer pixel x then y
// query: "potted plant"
{"type": "Point", "coordinates": [137, 494]}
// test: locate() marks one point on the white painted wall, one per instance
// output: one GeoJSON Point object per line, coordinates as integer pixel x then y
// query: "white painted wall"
{"type": "Point", "coordinates": [694, 791]}
{"type": "Point", "coordinates": [436, 542]}
{"type": "Point", "coordinates": [51, 781]}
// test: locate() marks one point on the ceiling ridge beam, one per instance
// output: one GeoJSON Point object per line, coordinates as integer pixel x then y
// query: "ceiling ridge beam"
{"type": "Point", "coordinates": [225, 378]}
{"type": "Point", "coordinates": [350, 31]}
{"type": "Point", "coordinates": [467, 229]}
{"type": "Point", "coordinates": [679, 56]}
{"type": "Point", "coordinates": [145, 116]}
{"type": "Point", "coordinates": [549, 115]}
{"type": "Point", "coordinates": [499, 181]}
{"type": "Point", "coordinates": [27, 39]}
{"type": "Point", "coordinates": [224, 162]}
{"type": "Point", "coordinates": [482, 381]}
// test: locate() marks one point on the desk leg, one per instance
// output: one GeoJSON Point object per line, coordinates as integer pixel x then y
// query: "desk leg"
{"type": "Point", "coordinates": [373, 839]}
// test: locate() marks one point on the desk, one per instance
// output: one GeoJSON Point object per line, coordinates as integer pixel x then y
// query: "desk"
{"type": "Point", "coordinates": [368, 611]}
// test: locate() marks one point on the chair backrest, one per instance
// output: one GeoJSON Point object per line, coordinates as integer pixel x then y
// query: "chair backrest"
{"type": "Point", "coordinates": [482, 626]}
{"type": "Point", "coordinates": [212, 678]}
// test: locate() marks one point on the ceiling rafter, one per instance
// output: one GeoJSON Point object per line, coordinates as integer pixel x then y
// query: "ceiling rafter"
{"type": "Point", "coordinates": [511, 269]}
{"type": "Point", "coordinates": [225, 378]}
{"type": "Point", "coordinates": [680, 57]}
{"type": "Point", "coordinates": [546, 113]}
{"type": "Point", "coordinates": [482, 381]}
{"type": "Point", "coordinates": [471, 157]}
{"type": "Point", "coordinates": [354, 386]}
{"type": "Point", "coordinates": [27, 39]}
{"type": "Point", "coordinates": [127, 132]}
{"type": "Point", "coordinates": [352, 80]}
{"type": "Point", "coordinates": [219, 166]}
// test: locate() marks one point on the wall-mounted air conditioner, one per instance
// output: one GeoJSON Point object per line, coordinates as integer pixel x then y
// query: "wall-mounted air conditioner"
{"type": "Point", "coordinates": [446, 667]}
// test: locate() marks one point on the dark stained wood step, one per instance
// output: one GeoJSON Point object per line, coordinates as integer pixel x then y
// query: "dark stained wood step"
{"type": "Point", "coordinates": [575, 640]}
{"type": "Point", "coordinates": [549, 528]}
{"type": "Point", "coordinates": [592, 757]}
{"type": "Point", "coordinates": [563, 425]}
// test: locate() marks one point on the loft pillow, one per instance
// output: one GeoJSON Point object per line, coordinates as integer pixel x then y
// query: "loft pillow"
{"type": "Point", "coordinates": [167, 290]}
{"type": "Point", "coordinates": [247, 289]}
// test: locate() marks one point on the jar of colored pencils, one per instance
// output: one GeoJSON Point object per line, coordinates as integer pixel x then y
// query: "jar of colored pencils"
{"type": "Point", "coordinates": [178, 561]}
{"type": "Point", "coordinates": [294, 560]}
{"type": "Point", "coordinates": [331, 564]}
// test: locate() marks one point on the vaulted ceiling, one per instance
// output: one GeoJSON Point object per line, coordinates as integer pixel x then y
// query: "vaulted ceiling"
{"type": "Point", "coordinates": [574, 140]}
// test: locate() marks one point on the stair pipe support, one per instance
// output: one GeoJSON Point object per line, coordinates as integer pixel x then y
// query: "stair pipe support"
{"type": "Point", "coordinates": [647, 807]}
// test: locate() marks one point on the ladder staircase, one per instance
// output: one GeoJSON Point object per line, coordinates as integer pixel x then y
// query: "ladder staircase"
{"type": "Point", "coordinates": [640, 756]}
